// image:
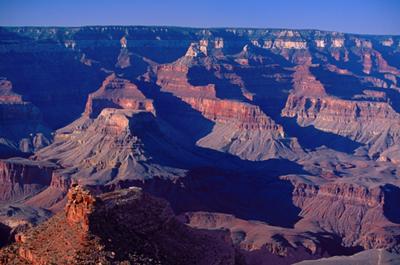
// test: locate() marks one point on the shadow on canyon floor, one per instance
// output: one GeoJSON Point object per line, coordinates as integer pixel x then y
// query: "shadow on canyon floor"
{"type": "Point", "coordinates": [250, 197]}
{"type": "Point", "coordinates": [391, 208]}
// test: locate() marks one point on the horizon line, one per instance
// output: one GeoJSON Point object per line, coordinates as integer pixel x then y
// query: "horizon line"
{"type": "Point", "coordinates": [192, 27]}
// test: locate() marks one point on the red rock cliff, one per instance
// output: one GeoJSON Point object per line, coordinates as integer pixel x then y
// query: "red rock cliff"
{"type": "Point", "coordinates": [22, 178]}
{"type": "Point", "coordinates": [117, 93]}
{"type": "Point", "coordinates": [126, 226]}
{"type": "Point", "coordinates": [358, 213]}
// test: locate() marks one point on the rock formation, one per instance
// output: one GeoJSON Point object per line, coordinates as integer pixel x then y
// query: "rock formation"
{"type": "Point", "coordinates": [126, 226]}
{"type": "Point", "coordinates": [53, 197]}
{"type": "Point", "coordinates": [110, 148]}
{"type": "Point", "coordinates": [240, 128]}
{"type": "Point", "coordinates": [22, 178]}
{"type": "Point", "coordinates": [116, 93]}
{"type": "Point", "coordinates": [22, 129]}
{"type": "Point", "coordinates": [370, 123]}
{"type": "Point", "coordinates": [365, 216]}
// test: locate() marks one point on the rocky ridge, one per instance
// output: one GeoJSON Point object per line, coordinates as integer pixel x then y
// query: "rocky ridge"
{"type": "Point", "coordinates": [104, 229]}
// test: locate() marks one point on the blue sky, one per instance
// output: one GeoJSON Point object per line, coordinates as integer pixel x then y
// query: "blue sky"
{"type": "Point", "coordinates": [356, 16]}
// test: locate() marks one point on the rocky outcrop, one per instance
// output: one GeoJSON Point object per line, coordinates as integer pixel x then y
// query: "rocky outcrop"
{"type": "Point", "coordinates": [80, 205]}
{"type": "Point", "coordinates": [308, 109]}
{"type": "Point", "coordinates": [372, 60]}
{"type": "Point", "coordinates": [289, 44]}
{"type": "Point", "coordinates": [126, 226]}
{"type": "Point", "coordinates": [306, 83]}
{"type": "Point", "coordinates": [363, 216]}
{"type": "Point", "coordinates": [245, 115]}
{"type": "Point", "coordinates": [60, 181]}
{"type": "Point", "coordinates": [337, 42]}
{"type": "Point", "coordinates": [372, 123]}
{"type": "Point", "coordinates": [21, 126]}
{"type": "Point", "coordinates": [120, 144]}
{"type": "Point", "coordinates": [285, 39]}
{"type": "Point", "coordinates": [196, 49]}
{"type": "Point", "coordinates": [244, 130]}
{"type": "Point", "coordinates": [117, 93]}
{"type": "Point", "coordinates": [22, 178]}
{"type": "Point", "coordinates": [320, 43]}
{"type": "Point", "coordinates": [173, 78]}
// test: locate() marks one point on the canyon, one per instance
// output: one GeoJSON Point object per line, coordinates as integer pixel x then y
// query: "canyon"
{"type": "Point", "coordinates": [233, 145]}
